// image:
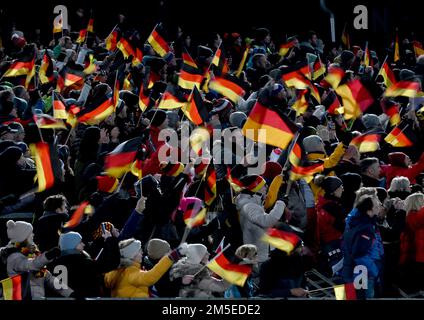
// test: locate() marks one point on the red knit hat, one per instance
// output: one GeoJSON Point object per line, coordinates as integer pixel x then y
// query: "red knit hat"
{"type": "Point", "coordinates": [271, 170]}
{"type": "Point", "coordinates": [397, 159]}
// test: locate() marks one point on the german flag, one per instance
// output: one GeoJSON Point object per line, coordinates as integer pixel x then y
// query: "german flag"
{"type": "Point", "coordinates": [293, 76]}
{"type": "Point", "coordinates": [220, 62]}
{"type": "Point", "coordinates": [198, 138]}
{"type": "Point", "coordinates": [401, 136]}
{"type": "Point", "coordinates": [387, 74]}
{"type": "Point", "coordinates": [332, 103]}
{"type": "Point", "coordinates": [367, 58]}
{"type": "Point", "coordinates": [45, 121]}
{"type": "Point", "coordinates": [125, 47]}
{"type": "Point", "coordinates": [296, 154]}
{"type": "Point", "coordinates": [76, 218]}
{"type": "Point", "coordinates": [194, 218]}
{"type": "Point", "coordinates": [418, 48]}
{"type": "Point", "coordinates": [112, 40]}
{"type": "Point", "coordinates": [318, 69]}
{"type": "Point", "coordinates": [58, 24]}
{"type": "Point", "coordinates": [301, 104]}
{"type": "Point", "coordinates": [17, 287]}
{"type": "Point", "coordinates": [152, 79]}
{"type": "Point", "coordinates": [143, 99]}
{"type": "Point", "coordinates": [115, 96]}
{"type": "Point", "coordinates": [232, 272]}
{"type": "Point", "coordinates": [242, 62]}
{"type": "Point", "coordinates": [282, 240]}
{"type": "Point", "coordinates": [396, 56]}
{"type": "Point", "coordinates": [234, 182]}
{"type": "Point", "coordinates": [345, 291]}
{"type": "Point", "coordinates": [120, 160]}
{"type": "Point", "coordinates": [59, 107]}
{"type": "Point", "coordinates": [69, 77]}
{"type": "Point", "coordinates": [210, 186]}
{"type": "Point", "coordinates": [195, 110]}
{"type": "Point", "coordinates": [20, 67]}
{"type": "Point", "coordinates": [345, 37]}
{"type": "Point", "coordinates": [45, 73]}
{"type": "Point", "coordinates": [188, 60]}
{"type": "Point", "coordinates": [228, 87]}
{"type": "Point", "coordinates": [391, 108]}
{"type": "Point", "coordinates": [306, 170]}
{"type": "Point", "coordinates": [82, 36]}
{"type": "Point", "coordinates": [278, 129]}
{"type": "Point", "coordinates": [403, 88]}
{"type": "Point", "coordinates": [190, 77]}
{"type": "Point", "coordinates": [90, 26]}
{"type": "Point", "coordinates": [107, 184]}
{"type": "Point", "coordinates": [157, 41]}
{"type": "Point", "coordinates": [334, 77]}
{"type": "Point", "coordinates": [367, 142]}
{"type": "Point", "coordinates": [100, 110]}
{"type": "Point", "coordinates": [90, 65]}
{"type": "Point", "coordinates": [285, 48]}
{"type": "Point", "coordinates": [355, 98]}
{"type": "Point", "coordinates": [41, 153]}
{"type": "Point", "coordinates": [171, 169]}
{"type": "Point", "coordinates": [138, 58]}
{"type": "Point", "coordinates": [172, 99]}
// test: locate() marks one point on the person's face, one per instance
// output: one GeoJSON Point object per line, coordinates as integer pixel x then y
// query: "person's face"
{"type": "Point", "coordinates": [30, 239]}
{"type": "Point", "coordinates": [80, 247]}
{"type": "Point", "coordinates": [114, 133]}
{"type": "Point", "coordinates": [262, 62]}
{"type": "Point", "coordinates": [314, 40]}
{"type": "Point", "coordinates": [138, 257]}
{"type": "Point", "coordinates": [338, 192]}
{"type": "Point", "coordinates": [63, 208]}
{"type": "Point", "coordinates": [374, 171]}
{"type": "Point", "coordinates": [20, 136]}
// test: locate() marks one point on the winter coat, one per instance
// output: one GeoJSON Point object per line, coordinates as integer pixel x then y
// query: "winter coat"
{"type": "Point", "coordinates": [412, 239]}
{"type": "Point", "coordinates": [330, 219]}
{"type": "Point", "coordinates": [255, 221]}
{"type": "Point", "coordinates": [133, 282]}
{"type": "Point", "coordinates": [151, 164]}
{"type": "Point", "coordinates": [202, 286]}
{"type": "Point", "coordinates": [18, 263]}
{"type": "Point", "coordinates": [281, 273]}
{"type": "Point", "coordinates": [164, 288]}
{"type": "Point", "coordinates": [84, 273]}
{"type": "Point", "coordinates": [362, 245]}
{"type": "Point", "coordinates": [48, 227]}
{"type": "Point", "coordinates": [371, 182]}
{"type": "Point", "coordinates": [392, 170]}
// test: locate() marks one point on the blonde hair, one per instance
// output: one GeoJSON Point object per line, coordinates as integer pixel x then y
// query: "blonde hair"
{"type": "Point", "coordinates": [399, 184]}
{"type": "Point", "coordinates": [370, 191]}
{"type": "Point", "coordinates": [414, 202]}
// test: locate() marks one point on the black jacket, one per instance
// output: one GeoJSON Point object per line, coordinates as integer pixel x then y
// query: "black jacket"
{"type": "Point", "coordinates": [47, 231]}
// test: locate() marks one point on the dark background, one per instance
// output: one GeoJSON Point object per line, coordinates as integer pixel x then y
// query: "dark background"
{"type": "Point", "coordinates": [198, 18]}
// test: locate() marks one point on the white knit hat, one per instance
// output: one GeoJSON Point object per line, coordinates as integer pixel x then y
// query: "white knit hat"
{"type": "Point", "coordinates": [196, 252]}
{"type": "Point", "coordinates": [18, 231]}
{"type": "Point", "coordinates": [129, 248]}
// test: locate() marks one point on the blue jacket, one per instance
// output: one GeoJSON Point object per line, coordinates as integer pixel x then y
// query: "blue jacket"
{"type": "Point", "coordinates": [362, 245]}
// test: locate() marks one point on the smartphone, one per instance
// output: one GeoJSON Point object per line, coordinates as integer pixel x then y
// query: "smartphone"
{"type": "Point", "coordinates": [103, 228]}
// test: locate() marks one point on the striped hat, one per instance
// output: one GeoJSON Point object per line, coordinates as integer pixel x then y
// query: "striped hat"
{"type": "Point", "coordinates": [253, 183]}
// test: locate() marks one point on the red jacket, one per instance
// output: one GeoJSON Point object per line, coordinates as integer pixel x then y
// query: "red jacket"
{"type": "Point", "coordinates": [151, 164]}
{"type": "Point", "coordinates": [330, 219]}
{"type": "Point", "coordinates": [412, 239]}
{"type": "Point", "coordinates": [390, 171]}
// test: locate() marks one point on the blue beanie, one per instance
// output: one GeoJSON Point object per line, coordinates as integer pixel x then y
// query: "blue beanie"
{"type": "Point", "coordinates": [69, 241]}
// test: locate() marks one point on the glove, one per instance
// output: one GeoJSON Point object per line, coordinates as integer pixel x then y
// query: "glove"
{"type": "Point", "coordinates": [177, 253]}
{"type": "Point", "coordinates": [53, 253]}
{"type": "Point", "coordinates": [347, 138]}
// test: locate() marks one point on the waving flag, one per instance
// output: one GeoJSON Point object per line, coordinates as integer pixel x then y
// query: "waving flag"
{"type": "Point", "coordinates": [76, 217]}
{"type": "Point", "coordinates": [59, 107]}
{"type": "Point", "coordinates": [58, 24]}
{"type": "Point", "coordinates": [282, 240]}
{"type": "Point", "coordinates": [120, 160]}
{"type": "Point", "coordinates": [195, 110]}
{"type": "Point", "coordinates": [41, 153]}
{"type": "Point", "coordinates": [396, 56]}
{"type": "Point", "coordinates": [355, 98]}
{"type": "Point", "coordinates": [17, 287]}
{"type": "Point", "coordinates": [82, 36]}
{"type": "Point", "coordinates": [45, 121]}
{"type": "Point", "coordinates": [45, 72]}
{"type": "Point", "coordinates": [101, 109]}
{"type": "Point", "coordinates": [231, 271]}
{"type": "Point", "coordinates": [227, 86]}
{"type": "Point", "coordinates": [387, 74]}
{"type": "Point", "coordinates": [158, 42]}
{"type": "Point", "coordinates": [190, 77]}
{"type": "Point", "coordinates": [285, 48]}
{"type": "Point", "coordinates": [367, 142]}
{"type": "Point", "coordinates": [403, 88]}
{"type": "Point", "coordinates": [345, 291]}
{"type": "Point", "coordinates": [401, 136]}
{"type": "Point", "coordinates": [126, 48]}
{"type": "Point", "coordinates": [112, 39]}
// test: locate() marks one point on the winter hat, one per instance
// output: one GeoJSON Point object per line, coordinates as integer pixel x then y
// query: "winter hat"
{"type": "Point", "coordinates": [220, 105]}
{"type": "Point", "coordinates": [351, 181]}
{"type": "Point", "coordinates": [370, 121]}
{"type": "Point", "coordinates": [397, 159]}
{"type": "Point", "coordinates": [129, 248]}
{"type": "Point", "coordinates": [171, 169]}
{"type": "Point", "coordinates": [156, 117]}
{"type": "Point", "coordinates": [157, 248]}
{"type": "Point", "coordinates": [69, 240]}
{"type": "Point", "coordinates": [18, 231]}
{"type": "Point", "coordinates": [271, 170]}
{"type": "Point", "coordinates": [18, 39]}
{"type": "Point", "coordinates": [237, 119]}
{"type": "Point", "coordinates": [406, 75]}
{"type": "Point", "coordinates": [346, 56]}
{"type": "Point", "coordinates": [261, 34]}
{"type": "Point", "coordinates": [195, 253]}
{"type": "Point", "coordinates": [277, 88]}
{"type": "Point", "coordinates": [313, 143]}
{"type": "Point", "coordinates": [173, 118]}
{"type": "Point", "coordinates": [107, 184]}
{"type": "Point", "coordinates": [331, 184]}
{"type": "Point", "coordinates": [252, 182]}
